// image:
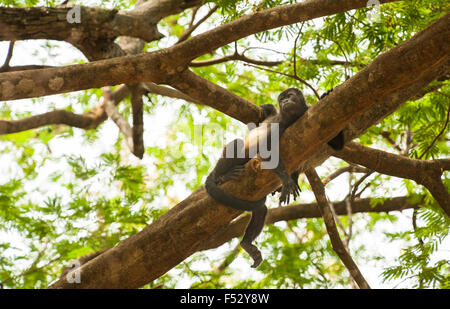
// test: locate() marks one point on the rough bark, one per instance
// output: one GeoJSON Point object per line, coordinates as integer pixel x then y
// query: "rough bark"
{"type": "Point", "coordinates": [391, 78]}
{"type": "Point", "coordinates": [161, 66]}
{"type": "Point", "coordinates": [94, 35]}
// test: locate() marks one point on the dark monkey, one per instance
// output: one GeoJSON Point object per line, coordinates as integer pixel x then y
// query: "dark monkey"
{"type": "Point", "coordinates": [292, 106]}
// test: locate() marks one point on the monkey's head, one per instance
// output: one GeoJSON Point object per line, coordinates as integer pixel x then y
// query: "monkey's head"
{"type": "Point", "coordinates": [292, 103]}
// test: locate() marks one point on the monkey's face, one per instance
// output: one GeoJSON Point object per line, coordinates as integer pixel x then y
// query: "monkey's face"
{"type": "Point", "coordinates": [292, 102]}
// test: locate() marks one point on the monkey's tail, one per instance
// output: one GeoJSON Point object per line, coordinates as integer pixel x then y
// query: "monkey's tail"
{"type": "Point", "coordinates": [231, 201]}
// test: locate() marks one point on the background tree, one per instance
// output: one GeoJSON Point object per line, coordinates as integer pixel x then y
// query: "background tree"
{"type": "Point", "coordinates": [123, 197]}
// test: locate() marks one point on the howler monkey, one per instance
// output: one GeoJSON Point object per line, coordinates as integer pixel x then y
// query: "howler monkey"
{"type": "Point", "coordinates": [230, 166]}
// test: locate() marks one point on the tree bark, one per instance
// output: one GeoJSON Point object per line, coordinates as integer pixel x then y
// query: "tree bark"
{"type": "Point", "coordinates": [363, 100]}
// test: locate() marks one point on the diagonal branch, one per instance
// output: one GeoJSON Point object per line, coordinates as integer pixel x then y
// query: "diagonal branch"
{"type": "Point", "coordinates": [113, 113]}
{"type": "Point", "coordinates": [5, 65]}
{"type": "Point", "coordinates": [185, 35]}
{"type": "Point", "coordinates": [336, 242]}
{"type": "Point", "coordinates": [439, 134]}
{"type": "Point", "coordinates": [216, 97]}
{"type": "Point", "coordinates": [360, 102]}
{"type": "Point", "coordinates": [161, 66]}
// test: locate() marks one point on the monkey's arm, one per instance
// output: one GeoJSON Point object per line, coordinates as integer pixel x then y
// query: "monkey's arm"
{"type": "Point", "coordinates": [269, 110]}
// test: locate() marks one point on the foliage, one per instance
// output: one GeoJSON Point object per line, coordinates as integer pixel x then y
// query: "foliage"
{"type": "Point", "coordinates": [68, 192]}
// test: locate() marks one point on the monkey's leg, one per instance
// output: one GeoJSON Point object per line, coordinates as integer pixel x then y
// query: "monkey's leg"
{"type": "Point", "coordinates": [252, 231]}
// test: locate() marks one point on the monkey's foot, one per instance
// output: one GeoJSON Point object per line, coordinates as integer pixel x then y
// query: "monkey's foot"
{"type": "Point", "coordinates": [233, 174]}
{"type": "Point", "coordinates": [253, 251]}
{"type": "Point", "coordinates": [289, 188]}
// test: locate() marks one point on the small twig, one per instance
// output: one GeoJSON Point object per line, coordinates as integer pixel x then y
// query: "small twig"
{"type": "Point", "coordinates": [113, 113]}
{"type": "Point", "coordinates": [194, 13]}
{"type": "Point", "coordinates": [359, 182]}
{"type": "Point", "coordinates": [441, 132]}
{"type": "Point", "coordinates": [349, 168]}
{"type": "Point", "coordinates": [295, 48]}
{"type": "Point", "coordinates": [347, 76]}
{"type": "Point", "coordinates": [287, 75]}
{"type": "Point", "coordinates": [387, 136]}
{"type": "Point", "coordinates": [348, 204]}
{"type": "Point", "coordinates": [235, 56]}
{"type": "Point", "coordinates": [5, 65]}
{"type": "Point", "coordinates": [227, 260]}
{"type": "Point", "coordinates": [192, 27]}
{"type": "Point", "coordinates": [336, 242]}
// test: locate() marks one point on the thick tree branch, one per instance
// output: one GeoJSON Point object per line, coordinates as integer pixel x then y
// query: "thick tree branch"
{"type": "Point", "coordinates": [216, 97]}
{"type": "Point", "coordinates": [336, 242]}
{"type": "Point", "coordinates": [298, 211]}
{"type": "Point", "coordinates": [88, 120]}
{"type": "Point", "coordinates": [360, 102]}
{"type": "Point", "coordinates": [95, 32]}
{"type": "Point", "coordinates": [161, 66]}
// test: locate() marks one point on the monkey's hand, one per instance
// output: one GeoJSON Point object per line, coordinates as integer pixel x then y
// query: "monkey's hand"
{"type": "Point", "coordinates": [290, 187]}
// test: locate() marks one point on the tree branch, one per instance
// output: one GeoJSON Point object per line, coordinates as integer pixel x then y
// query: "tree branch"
{"type": "Point", "coordinates": [439, 134]}
{"type": "Point", "coordinates": [426, 173]}
{"type": "Point", "coordinates": [216, 97]}
{"type": "Point", "coordinates": [336, 242]}
{"type": "Point", "coordinates": [342, 170]}
{"type": "Point", "coordinates": [192, 27]}
{"type": "Point", "coordinates": [161, 66]}
{"type": "Point", "coordinates": [302, 211]}
{"type": "Point", "coordinates": [360, 102]}
{"type": "Point", "coordinates": [88, 120]}
{"type": "Point", "coordinates": [122, 123]}
{"type": "Point", "coordinates": [5, 65]}
{"type": "Point", "coordinates": [138, 121]}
